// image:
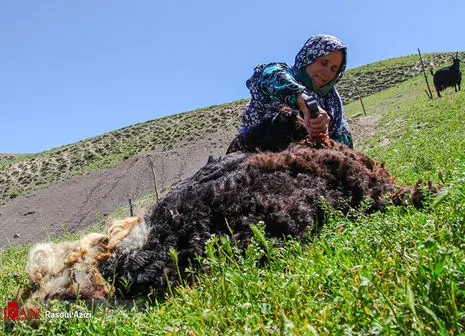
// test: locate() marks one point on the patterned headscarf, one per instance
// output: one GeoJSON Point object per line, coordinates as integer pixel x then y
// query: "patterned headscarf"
{"type": "Point", "coordinates": [317, 46]}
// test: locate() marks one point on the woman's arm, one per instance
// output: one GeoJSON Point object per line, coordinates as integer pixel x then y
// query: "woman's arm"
{"type": "Point", "coordinates": [278, 82]}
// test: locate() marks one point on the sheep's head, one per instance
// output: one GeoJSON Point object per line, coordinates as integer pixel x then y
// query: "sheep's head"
{"type": "Point", "coordinates": [69, 270]}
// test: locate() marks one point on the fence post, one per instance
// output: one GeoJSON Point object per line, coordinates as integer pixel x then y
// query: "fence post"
{"type": "Point", "coordinates": [154, 176]}
{"type": "Point", "coordinates": [358, 94]}
{"type": "Point", "coordinates": [131, 208]}
{"type": "Point", "coordinates": [430, 95]}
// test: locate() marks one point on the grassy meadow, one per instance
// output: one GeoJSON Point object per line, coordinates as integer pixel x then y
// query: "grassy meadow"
{"type": "Point", "coordinates": [397, 272]}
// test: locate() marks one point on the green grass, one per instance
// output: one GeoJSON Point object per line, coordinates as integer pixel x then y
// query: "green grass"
{"type": "Point", "coordinates": [417, 137]}
{"type": "Point", "coordinates": [398, 272]}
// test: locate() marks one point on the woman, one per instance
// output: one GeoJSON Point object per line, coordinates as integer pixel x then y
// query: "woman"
{"type": "Point", "coordinates": [318, 66]}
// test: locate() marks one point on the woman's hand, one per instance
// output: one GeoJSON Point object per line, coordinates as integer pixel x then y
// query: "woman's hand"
{"type": "Point", "coordinates": [320, 124]}
{"type": "Point", "coordinates": [317, 126]}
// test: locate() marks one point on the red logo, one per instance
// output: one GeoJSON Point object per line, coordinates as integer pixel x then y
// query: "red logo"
{"type": "Point", "coordinates": [13, 313]}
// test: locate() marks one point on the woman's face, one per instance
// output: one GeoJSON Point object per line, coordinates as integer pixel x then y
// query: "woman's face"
{"type": "Point", "coordinates": [324, 68]}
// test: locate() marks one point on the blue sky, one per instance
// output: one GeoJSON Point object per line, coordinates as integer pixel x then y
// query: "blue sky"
{"type": "Point", "coordinates": [70, 70]}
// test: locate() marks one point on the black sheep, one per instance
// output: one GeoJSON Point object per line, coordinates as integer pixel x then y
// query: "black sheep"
{"type": "Point", "coordinates": [284, 189]}
{"type": "Point", "coordinates": [288, 190]}
{"type": "Point", "coordinates": [448, 76]}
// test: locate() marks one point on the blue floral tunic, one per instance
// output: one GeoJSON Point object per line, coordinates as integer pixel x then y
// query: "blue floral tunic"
{"type": "Point", "coordinates": [275, 85]}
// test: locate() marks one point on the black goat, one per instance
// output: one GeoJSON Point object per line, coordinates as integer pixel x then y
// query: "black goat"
{"type": "Point", "coordinates": [448, 76]}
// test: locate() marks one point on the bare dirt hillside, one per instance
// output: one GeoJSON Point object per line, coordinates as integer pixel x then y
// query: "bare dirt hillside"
{"type": "Point", "coordinates": [76, 203]}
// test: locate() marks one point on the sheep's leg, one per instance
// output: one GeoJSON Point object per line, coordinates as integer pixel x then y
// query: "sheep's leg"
{"type": "Point", "coordinates": [437, 90]}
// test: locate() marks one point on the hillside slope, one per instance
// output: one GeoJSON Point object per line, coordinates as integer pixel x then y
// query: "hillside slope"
{"type": "Point", "coordinates": [72, 187]}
